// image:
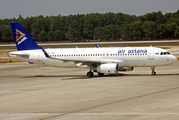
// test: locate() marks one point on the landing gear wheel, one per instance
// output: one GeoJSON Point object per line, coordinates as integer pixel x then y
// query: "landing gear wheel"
{"type": "Point", "coordinates": [153, 70]}
{"type": "Point", "coordinates": [90, 74]}
{"type": "Point", "coordinates": [153, 73]}
{"type": "Point", "coordinates": [101, 74]}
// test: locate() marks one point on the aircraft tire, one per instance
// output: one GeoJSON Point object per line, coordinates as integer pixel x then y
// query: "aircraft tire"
{"type": "Point", "coordinates": [90, 74]}
{"type": "Point", "coordinates": [153, 73]}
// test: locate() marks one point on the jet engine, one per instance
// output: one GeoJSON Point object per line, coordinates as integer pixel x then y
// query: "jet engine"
{"type": "Point", "coordinates": [126, 68]}
{"type": "Point", "coordinates": [107, 68]}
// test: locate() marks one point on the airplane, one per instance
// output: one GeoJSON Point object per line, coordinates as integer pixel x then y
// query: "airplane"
{"type": "Point", "coordinates": [103, 60]}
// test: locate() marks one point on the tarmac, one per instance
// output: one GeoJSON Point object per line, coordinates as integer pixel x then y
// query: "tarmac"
{"type": "Point", "coordinates": [35, 92]}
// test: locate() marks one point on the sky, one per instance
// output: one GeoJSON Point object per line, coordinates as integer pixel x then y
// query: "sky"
{"type": "Point", "coordinates": [28, 8]}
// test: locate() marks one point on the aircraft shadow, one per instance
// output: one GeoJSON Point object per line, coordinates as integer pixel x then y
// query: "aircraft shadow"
{"type": "Point", "coordinates": [52, 76]}
{"type": "Point", "coordinates": [70, 77]}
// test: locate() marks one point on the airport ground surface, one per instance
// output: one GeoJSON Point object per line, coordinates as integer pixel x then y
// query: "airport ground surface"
{"type": "Point", "coordinates": [30, 92]}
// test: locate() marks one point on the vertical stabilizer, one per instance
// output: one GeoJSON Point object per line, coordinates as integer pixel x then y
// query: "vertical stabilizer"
{"type": "Point", "coordinates": [22, 38]}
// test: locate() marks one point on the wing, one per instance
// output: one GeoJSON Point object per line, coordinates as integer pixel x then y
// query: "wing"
{"type": "Point", "coordinates": [87, 62]}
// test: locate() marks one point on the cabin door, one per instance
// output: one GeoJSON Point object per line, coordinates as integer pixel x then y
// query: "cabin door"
{"type": "Point", "coordinates": [151, 54]}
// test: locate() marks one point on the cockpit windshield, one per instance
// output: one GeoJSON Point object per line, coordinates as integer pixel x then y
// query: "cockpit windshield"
{"type": "Point", "coordinates": [164, 53]}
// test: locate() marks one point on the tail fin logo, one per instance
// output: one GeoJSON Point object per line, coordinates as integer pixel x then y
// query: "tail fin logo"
{"type": "Point", "coordinates": [19, 35]}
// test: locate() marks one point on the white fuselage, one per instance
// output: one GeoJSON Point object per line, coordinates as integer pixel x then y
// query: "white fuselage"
{"type": "Point", "coordinates": [125, 56]}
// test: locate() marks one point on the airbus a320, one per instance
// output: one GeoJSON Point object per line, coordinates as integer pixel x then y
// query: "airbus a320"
{"type": "Point", "coordinates": [103, 60]}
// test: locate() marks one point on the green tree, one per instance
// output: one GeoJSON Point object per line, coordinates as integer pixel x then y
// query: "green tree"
{"type": "Point", "coordinates": [149, 29]}
{"type": "Point", "coordinates": [171, 30]}
{"type": "Point", "coordinates": [137, 31]}
{"type": "Point", "coordinates": [98, 33]}
{"type": "Point", "coordinates": [126, 32]}
{"type": "Point", "coordinates": [42, 36]}
{"type": "Point", "coordinates": [107, 26]}
{"type": "Point", "coordinates": [108, 31]}
{"type": "Point", "coordinates": [88, 29]}
{"type": "Point", "coordinates": [74, 32]}
{"type": "Point", "coordinates": [34, 31]}
{"type": "Point", "coordinates": [161, 31]}
{"type": "Point", "coordinates": [57, 35]}
{"type": "Point", "coordinates": [50, 36]}
{"type": "Point", "coordinates": [177, 32]}
{"type": "Point", "coordinates": [43, 24]}
{"type": "Point", "coordinates": [6, 34]}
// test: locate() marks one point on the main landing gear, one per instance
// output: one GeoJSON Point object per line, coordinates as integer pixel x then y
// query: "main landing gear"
{"type": "Point", "coordinates": [153, 71]}
{"type": "Point", "coordinates": [90, 74]}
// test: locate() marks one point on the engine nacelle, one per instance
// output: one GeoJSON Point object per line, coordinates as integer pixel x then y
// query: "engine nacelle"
{"type": "Point", "coordinates": [126, 68]}
{"type": "Point", "coordinates": [107, 68]}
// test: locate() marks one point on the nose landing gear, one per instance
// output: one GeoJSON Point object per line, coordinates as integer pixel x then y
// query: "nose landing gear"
{"type": "Point", "coordinates": [153, 71]}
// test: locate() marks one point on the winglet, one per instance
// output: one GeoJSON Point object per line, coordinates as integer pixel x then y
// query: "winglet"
{"type": "Point", "coordinates": [97, 45]}
{"type": "Point", "coordinates": [45, 53]}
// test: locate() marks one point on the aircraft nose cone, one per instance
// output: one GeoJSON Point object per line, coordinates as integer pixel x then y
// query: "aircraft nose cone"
{"type": "Point", "coordinates": [174, 59]}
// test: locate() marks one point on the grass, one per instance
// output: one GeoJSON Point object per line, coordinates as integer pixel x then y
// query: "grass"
{"type": "Point", "coordinates": [9, 60]}
{"type": "Point", "coordinates": [5, 51]}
